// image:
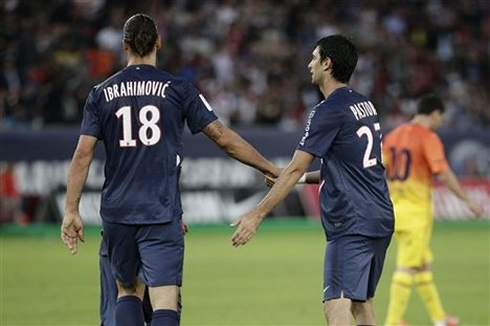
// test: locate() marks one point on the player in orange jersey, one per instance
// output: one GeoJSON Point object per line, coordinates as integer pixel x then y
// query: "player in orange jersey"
{"type": "Point", "coordinates": [414, 154]}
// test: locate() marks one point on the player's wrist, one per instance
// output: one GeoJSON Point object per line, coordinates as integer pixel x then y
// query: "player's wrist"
{"type": "Point", "coordinates": [71, 210]}
{"type": "Point", "coordinates": [259, 213]}
{"type": "Point", "coordinates": [273, 171]}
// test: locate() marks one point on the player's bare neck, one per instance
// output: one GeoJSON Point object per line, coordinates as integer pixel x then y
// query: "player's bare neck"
{"type": "Point", "coordinates": [328, 87]}
{"type": "Point", "coordinates": [422, 120]}
{"type": "Point", "coordinates": [148, 60]}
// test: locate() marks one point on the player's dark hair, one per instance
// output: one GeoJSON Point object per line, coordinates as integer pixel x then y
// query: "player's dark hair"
{"type": "Point", "coordinates": [140, 32]}
{"type": "Point", "coordinates": [430, 103]}
{"type": "Point", "coordinates": [343, 54]}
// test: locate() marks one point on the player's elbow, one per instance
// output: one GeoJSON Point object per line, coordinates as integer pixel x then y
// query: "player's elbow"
{"type": "Point", "coordinates": [83, 155]}
{"type": "Point", "coordinates": [85, 148]}
{"type": "Point", "coordinates": [294, 171]}
{"type": "Point", "coordinates": [229, 145]}
{"type": "Point", "coordinates": [443, 177]}
{"type": "Point", "coordinates": [229, 142]}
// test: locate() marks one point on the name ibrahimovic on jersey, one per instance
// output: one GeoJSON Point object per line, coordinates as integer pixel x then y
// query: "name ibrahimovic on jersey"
{"type": "Point", "coordinates": [136, 88]}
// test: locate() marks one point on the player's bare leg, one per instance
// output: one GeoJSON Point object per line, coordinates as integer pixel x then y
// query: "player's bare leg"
{"type": "Point", "coordinates": [164, 297]}
{"type": "Point", "coordinates": [138, 290]}
{"type": "Point", "coordinates": [338, 312]}
{"type": "Point", "coordinates": [165, 303]}
{"type": "Point", "coordinates": [363, 312]}
{"type": "Point", "coordinates": [129, 310]}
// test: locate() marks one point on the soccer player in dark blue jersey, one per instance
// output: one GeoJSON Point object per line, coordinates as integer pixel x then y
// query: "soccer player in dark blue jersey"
{"type": "Point", "coordinates": [139, 113]}
{"type": "Point", "coordinates": [343, 131]}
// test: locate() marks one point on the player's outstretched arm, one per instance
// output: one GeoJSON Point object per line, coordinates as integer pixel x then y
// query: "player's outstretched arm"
{"type": "Point", "coordinates": [307, 178]}
{"type": "Point", "coordinates": [249, 223]}
{"type": "Point", "coordinates": [238, 148]}
{"type": "Point", "coordinates": [72, 226]}
{"type": "Point", "coordinates": [448, 179]}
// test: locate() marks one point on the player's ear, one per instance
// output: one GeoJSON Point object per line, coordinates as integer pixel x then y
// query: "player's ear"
{"type": "Point", "coordinates": [327, 63]}
{"type": "Point", "coordinates": [125, 45]}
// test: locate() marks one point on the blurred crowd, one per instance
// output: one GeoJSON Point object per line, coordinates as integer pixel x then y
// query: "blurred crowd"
{"type": "Point", "coordinates": [249, 57]}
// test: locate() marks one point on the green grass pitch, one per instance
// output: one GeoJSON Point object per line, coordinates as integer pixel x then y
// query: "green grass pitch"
{"type": "Point", "coordinates": [273, 280]}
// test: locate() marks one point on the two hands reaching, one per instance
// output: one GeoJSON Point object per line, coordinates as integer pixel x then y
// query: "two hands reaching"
{"type": "Point", "coordinates": [248, 223]}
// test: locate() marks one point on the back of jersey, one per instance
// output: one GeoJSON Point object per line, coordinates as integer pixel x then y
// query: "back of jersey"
{"type": "Point", "coordinates": [412, 154]}
{"type": "Point", "coordinates": [139, 113]}
{"type": "Point", "coordinates": [344, 132]}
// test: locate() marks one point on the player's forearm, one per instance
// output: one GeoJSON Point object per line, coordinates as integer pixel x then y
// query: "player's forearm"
{"type": "Point", "coordinates": [242, 151]}
{"type": "Point", "coordinates": [76, 179]}
{"type": "Point", "coordinates": [286, 181]}
{"type": "Point", "coordinates": [237, 148]}
{"type": "Point", "coordinates": [449, 180]}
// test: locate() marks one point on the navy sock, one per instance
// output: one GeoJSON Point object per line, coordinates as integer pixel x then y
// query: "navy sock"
{"type": "Point", "coordinates": [129, 311]}
{"type": "Point", "coordinates": [165, 317]}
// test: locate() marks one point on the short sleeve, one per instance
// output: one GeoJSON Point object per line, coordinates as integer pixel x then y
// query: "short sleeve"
{"type": "Point", "coordinates": [322, 127]}
{"type": "Point", "coordinates": [197, 110]}
{"type": "Point", "coordinates": [91, 119]}
{"type": "Point", "coordinates": [434, 154]}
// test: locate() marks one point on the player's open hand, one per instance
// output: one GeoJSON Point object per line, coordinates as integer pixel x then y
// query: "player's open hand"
{"type": "Point", "coordinates": [72, 231]}
{"type": "Point", "coordinates": [247, 227]}
{"type": "Point", "coordinates": [475, 208]}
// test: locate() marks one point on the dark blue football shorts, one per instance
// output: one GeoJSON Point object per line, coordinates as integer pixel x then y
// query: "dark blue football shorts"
{"type": "Point", "coordinates": [108, 292]}
{"type": "Point", "coordinates": [153, 252]}
{"type": "Point", "coordinates": [353, 266]}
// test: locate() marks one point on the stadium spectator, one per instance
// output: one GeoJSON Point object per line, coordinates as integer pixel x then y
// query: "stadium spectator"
{"type": "Point", "coordinates": [439, 45]}
{"type": "Point", "coordinates": [413, 154]}
{"type": "Point", "coordinates": [343, 131]}
{"type": "Point", "coordinates": [140, 207]}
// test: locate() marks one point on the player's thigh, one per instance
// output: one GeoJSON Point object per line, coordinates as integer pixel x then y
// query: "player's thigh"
{"type": "Point", "coordinates": [161, 247]}
{"type": "Point", "coordinates": [348, 267]}
{"type": "Point", "coordinates": [413, 248]}
{"type": "Point", "coordinates": [122, 251]}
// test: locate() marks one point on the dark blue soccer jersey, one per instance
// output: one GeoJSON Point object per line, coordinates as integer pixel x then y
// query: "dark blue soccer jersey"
{"type": "Point", "coordinates": [139, 114]}
{"type": "Point", "coordinates": [344, 132]}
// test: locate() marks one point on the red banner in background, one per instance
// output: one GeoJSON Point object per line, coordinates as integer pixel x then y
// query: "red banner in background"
{"type": "Point", "coordinates": [449, 207]}
{"type": "Point", "coordinates": [446, 205]}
